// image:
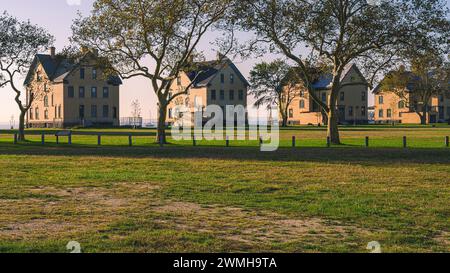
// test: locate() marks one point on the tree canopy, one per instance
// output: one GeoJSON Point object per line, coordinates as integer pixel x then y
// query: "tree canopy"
{"type": "Point", "coordinates": [342, 32]}
{"type": "Point", "coordinates": [20, 41]}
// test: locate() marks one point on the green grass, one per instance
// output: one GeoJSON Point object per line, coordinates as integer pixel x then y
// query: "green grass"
{"type": "Point", "coordinates": [216, 199]}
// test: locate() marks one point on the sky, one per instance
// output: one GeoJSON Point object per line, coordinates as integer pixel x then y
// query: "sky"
{"type": "Point", "coordinates": [56, 16]}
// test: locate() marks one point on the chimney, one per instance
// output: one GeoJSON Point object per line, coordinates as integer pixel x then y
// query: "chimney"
{"type": "Point", "coordinates": [191, 59]}
{"type": "Point", "coordinates": [221, 57]}
{"type": "Point", "coordinates": [52, 52]}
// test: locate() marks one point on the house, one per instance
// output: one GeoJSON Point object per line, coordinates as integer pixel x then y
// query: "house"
{"type": "Point", "coordinates": [70, 93]}
{"type": "Point", "coordinates": [406, 107]}
{"type": "Point", "coordinates": [217, 82]}
{"type": "Point", "coordinates": [352, 104]}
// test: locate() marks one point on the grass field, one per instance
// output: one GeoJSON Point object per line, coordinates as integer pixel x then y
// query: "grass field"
{"type": "Point", "coordinates": [216, 199]}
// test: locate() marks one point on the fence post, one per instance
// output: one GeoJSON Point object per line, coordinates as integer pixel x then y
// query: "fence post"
{"type": "Point", "coordinates": [15, 138]}
{"type": "Point", "coordinates": [70, 138]}
{"type": "Point", "coordinates": [194, 142]}
{"type": "Point", "coordinates": [405, 144]}
{"type": "Point", "coordinates": [367, 141]}
{"type": "Point", "coordinates": [328, 142]}
{"type": "Point", "coordinates": [99, 139]}
{"type": "Point", "coordinates": [130, 140]}
{"type": "Point", "coordinates": [228, 142]}
{"type": "Point", "coordinates": [293, 142]}
{"type": "Point", "coordinates": [447, 141]}
{"type": "Point", "coordinates": [43, 139]}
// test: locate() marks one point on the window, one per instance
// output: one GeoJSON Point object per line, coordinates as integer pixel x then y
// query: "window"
{"type": "Point", "coordinates": [179, 80]}
{"type": "Point", "coordinates": [94, 111]}
{"type": "Point", "coordinates": [81, 111]}
{"type": "Point", "coordinates": [93, 92]}
{"type": "Point", "coordinates": [231, 94]}
{"type": "Point", "coordinates": [213, 95]}
{"type": "Point", "coordinates": [71, 92]}
{"type": "Point", "coordinates": [302, 104]}
{"type": "Point", "coordinates": [46, 101]}
{"type": "Point", "coordinates": [105, 111]}
{"type": "Point", "coordinates": [38, 76]}
{"type": "Point", "coordinates": [222, 78]}
{"type": "Point", "coordinates": [389, 113]}
{"type": "Point", "coordinates": [94, 73]}
{"type": "Point", "coordinates": [241, 94]}
{"type": "Point", "coordinates": [380, 113]}
{"type": "Point", "coordinates": [31, 113]}
{"type": "Point", "coordinates": [105, 92]}
{"type": "Point", "coordinates": [363, 111]}
{"type": "Point", "coordinates": [53, 101]}
{"type": "Point", "coordinates": [350, 111]}
{"type": "Point", "coordinates": [324, 97]}
{"type": "Point", "coordinates": [448, 111]}
{"type": "Point", "coordinates": [231, 78]}
{"type": "Point", "coordinates": [82, 73]}
{"type": "Point", "coordinates": [46, 114]}
{"type": "Point", "coordinates": [441, 98]}
{"type": "Point", "coordinates": [363, 96]}
{"type": "Point", "coordinates": [114, 112]}
{"type": "Point", "coordinates": [36, 113]}
{"type": "Point", "coordinates": [45, 87]}
{"type": "Point", "coordinates": [342, 96]}
{"type": "Point", "coordinates": [59, 111]}
{"type": "Point", "coordinates": [401, 104]}
{"type": "Point", "coordinates": [291, 113]}
{"type": "Point", "coordinates": [56, 112]}
{"type": "Point", "coordinates": [81, 92]}
{"type": "Point", "coordinates": [380, 100]}
{"type": "Point", "coordinates": [170, 113]}
{"type": "Point", "coordinates": [222, 95]}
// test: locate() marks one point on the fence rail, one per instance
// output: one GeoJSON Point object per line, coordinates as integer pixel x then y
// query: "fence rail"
{"type": "Point", "coordinates": [69, 135]}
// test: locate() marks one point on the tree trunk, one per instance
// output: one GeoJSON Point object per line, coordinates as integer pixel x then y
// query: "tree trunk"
{"type": "Point", "coordinates": [424, 116]}
{"type": "Point", "coordinates": [333, 131]}
{"type": "Point", "coordinates": [161, 135]}
{"type": "Point", "coordinates": [21, 136]}
{"type": "Point", "coordinates": [284, 122]}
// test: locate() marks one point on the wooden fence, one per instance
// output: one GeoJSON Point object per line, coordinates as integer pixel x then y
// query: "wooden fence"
{"type": "Point", "coordinates": [131, 137]}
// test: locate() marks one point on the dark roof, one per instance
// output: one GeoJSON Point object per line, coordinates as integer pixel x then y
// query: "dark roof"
{"type": "Point", "coordinates": [409, 87]}
{"type": "Point", "coordinates": [57, 69]}
{"type": "Point", "coordinates": [202, 73]}
{"type": "Point", "coordinates": [325, 80]}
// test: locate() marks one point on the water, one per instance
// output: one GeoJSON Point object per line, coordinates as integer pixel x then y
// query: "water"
{"type": "Point", "coordinates": [7, 125]}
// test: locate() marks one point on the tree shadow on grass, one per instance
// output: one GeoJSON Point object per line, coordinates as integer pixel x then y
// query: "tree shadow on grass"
{"type": "Point", "coordinates": [339, 154]}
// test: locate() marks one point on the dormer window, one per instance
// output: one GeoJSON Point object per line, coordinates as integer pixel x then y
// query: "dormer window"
{"type": "Point", "coordinates": [232, 78]}
{"type": "Point", "coordinates": [94, 73]}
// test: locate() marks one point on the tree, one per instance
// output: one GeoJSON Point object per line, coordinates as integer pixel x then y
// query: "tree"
{"type": "Point", "coordinates": [273, 84]}
{"type": "Point", "coordinates": [19, 43]}
{"type": "Point", "coordinates": [342, 32]}
{"type": "Point", "coordinates": [428, 78]}
{"type": "Point", "coordinates": [136, 109]}
{"type": "Point", "coordinates": [136, 113]}
{"type": "Point", "coordinates": [151, 39]}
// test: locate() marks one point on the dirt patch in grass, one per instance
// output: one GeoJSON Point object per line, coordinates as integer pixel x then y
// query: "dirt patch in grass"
{"type": "Point", "coordinates": [251, 228]}
{"type": "Point", "coordinates": [73, 210]}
